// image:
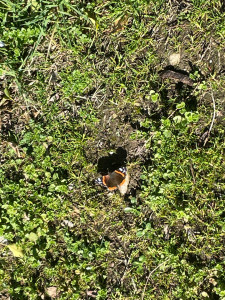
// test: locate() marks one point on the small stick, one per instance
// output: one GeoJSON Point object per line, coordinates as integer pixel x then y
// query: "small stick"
{"type": "Point", "coordinates": [143, 294]}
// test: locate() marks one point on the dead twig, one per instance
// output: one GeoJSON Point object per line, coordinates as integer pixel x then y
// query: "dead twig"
{"type": "Point", "coordinates": [143, 294]}
{"type": "Point", "coordinates": [192, 171]}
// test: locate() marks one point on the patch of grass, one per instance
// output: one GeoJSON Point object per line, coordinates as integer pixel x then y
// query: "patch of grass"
{"type": "Point", "coordinates": [81, 82]}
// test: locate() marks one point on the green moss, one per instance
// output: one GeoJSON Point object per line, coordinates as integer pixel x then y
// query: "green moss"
{"type": "Point", "coordinates": [80, 81]}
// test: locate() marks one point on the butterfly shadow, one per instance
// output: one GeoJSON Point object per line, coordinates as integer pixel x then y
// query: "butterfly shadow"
{"type": "Point", "coordinates": [112, 162]}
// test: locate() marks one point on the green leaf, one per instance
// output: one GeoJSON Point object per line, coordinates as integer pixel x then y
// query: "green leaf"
{"type": "Point", "coordinates": [133, 200]}
{"type": "Point", "coordinates": [142, 258]}
{"type": "Point", "coordinates": [33, 237]}
{"type": "Point", "coordinates": [128, 209]}
{"type": "Point", "coordinates": [140, 233]}
{"type": "Point", "coordinates": [155, 97]}
{"type": "Point", "coordinates": [167, 133]}
{"type": "Point", "coordinates": [191, 117]}
{"type": "Point", "coordinates": [181, 105]}
{"type": "Point", "coordinates": [148, 226]}
{"type": "Point", "coordinates": [16, 250]}
{"type": "Point", "coordinates": [202, 86]}
{"type": "Point", "coordinates": [6, 91]}
{"type": "Point", "coordinates": [177, 119]}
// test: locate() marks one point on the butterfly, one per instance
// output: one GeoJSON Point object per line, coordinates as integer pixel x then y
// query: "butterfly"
{"type": "Point", "coordinates": [118, 179]}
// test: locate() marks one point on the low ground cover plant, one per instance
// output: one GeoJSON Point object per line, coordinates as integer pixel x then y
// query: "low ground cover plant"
{"type": "Point", "coordinates": [91, 86]}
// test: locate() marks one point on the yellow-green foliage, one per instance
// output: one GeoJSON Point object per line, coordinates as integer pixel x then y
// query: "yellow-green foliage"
{"type": "Point", "coordinates": [81, 79]}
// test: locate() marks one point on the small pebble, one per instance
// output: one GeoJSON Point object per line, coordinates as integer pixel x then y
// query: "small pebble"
{"type": "Point", "coordinates": [174, 59]}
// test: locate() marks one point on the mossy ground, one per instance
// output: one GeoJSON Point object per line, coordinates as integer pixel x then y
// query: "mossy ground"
{"type": "Point", "coordinates": [81, 94]}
